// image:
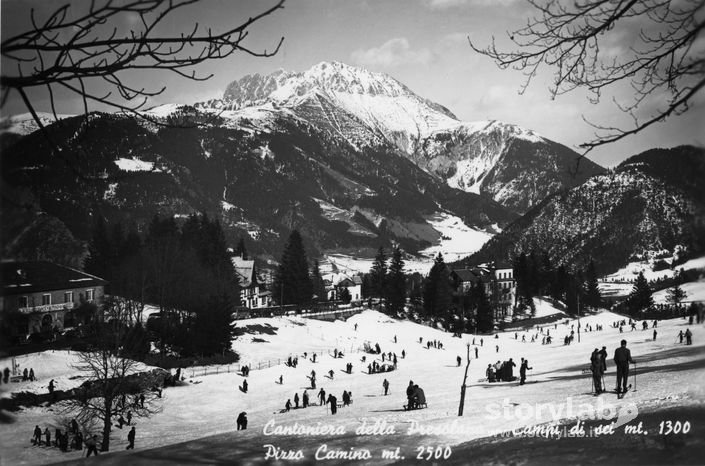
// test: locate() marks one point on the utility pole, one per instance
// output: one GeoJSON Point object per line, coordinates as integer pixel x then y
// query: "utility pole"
{"type": "Point", "coordinates": [464, 386]}
{"type": "Point", "coordinates": [578, 316]}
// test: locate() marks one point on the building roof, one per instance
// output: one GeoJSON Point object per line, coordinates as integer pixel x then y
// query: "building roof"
{"type": "Point", "coordinates": [245, 270]}
{"type": "Point", "coordinates": [467, 275]}
{"type": "Point", "coordinates": [35, 276]}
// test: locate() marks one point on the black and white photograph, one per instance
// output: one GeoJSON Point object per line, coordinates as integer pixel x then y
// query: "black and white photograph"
{"type": "Point", "coordinates": [359, 232]}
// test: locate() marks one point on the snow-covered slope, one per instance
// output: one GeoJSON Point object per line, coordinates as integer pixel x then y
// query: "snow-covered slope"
{"type": "Point", "coordinates": [669, 375]}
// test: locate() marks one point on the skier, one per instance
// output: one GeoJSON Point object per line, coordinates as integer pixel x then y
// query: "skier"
{"type": "Point", "coordinates": [680, 336]}
{"type": "Point", "coordinates": [241, 421]}
{"type": "Point", "coordinates": [482, 342]}
{"type": "Point", "coordinates": [244, 386]}
{"type": "Point", "coordinates": [296, 400]}
{"type": "Point", "coordinates": [403, 354]}
{"type": "Point", "coordinates": [51, 387]}
{"type": "Point", "coordinates": [688, 337]}
{"type": "Point", "coordinates": [322, 397]}
{"type": "Point", "coordinates": [305, 399]}
{"type": "Point", "coordinates": [522, 370]}
{"type": "Point", "coordinates": [654, 334]}
{"type": "Point", "coordinates": [497, 347]}
{"type": "Point", "coordinates": [476, 353]}
{"type": "Point", "coordinates": [385, 384]}
{"type": "Point", "coordinates": [131, 439]}
{"type": "Point", "coordinates": [287, 406]}
{"type": "Point", "coordinates": [622, 358]}
{"type": "Point", "coordinates": [458, 360]}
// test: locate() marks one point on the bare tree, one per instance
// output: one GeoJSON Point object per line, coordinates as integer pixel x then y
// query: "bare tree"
{"type": "Point", "coordinates": [115, 384]}
{"type": "Point", "coordinates": [573, 39]}
{"type": "Point", "coordinates": [70, 49]}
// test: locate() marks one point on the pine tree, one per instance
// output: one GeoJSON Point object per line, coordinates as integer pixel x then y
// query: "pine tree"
{"type": "Point", "coordinates": [437, 290]}
{"type": "Point", "coordinates": [378, 274]}
{"type": "Point", "coordinates": [485, 318]}
{"type": "Point", "coordinates": [640, 297]}
{"type": "Point", "coordinates": [593, 298]}
{"type": "Point", "coordinates": [396, 283]}
{"type": "Point", "coordinates": [319, 288]}
{"type": "Point", "coordinates": [675, 295]}
{"type": "Point", "coordinates": [292, 284]}
{"type": "Point", "coordinates": [99, 251]}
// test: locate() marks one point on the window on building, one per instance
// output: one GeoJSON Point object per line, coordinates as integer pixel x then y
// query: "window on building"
{"type": "Point", "coordinates": [46, 299]}
{"type": "Point", "coordinates": [90, 295]}
{"type": "Point", "coordinates": [24, 301]}
{"type": "Point", "coordinates": [68, 297]}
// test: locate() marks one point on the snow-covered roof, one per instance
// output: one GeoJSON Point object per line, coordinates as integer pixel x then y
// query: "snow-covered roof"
{"type": "Point", "coordinates": [245, 270]}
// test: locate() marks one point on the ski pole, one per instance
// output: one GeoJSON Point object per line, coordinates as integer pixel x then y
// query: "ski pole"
{"type": "Point", "coordinates": [634, 376]}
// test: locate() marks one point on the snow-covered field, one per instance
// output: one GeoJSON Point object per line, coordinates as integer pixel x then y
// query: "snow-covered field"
{"type": "Point", "coordinates": [621, 282]}
{"type": "Point", "coordinates": [669, 374]}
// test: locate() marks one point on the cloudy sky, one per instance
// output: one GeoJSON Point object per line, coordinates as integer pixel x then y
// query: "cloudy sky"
{"type": "Point", "coordinates": [422, 43]}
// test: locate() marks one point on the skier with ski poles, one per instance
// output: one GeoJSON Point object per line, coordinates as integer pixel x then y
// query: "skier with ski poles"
{"type": "Point", "coordinates": [622, 358]}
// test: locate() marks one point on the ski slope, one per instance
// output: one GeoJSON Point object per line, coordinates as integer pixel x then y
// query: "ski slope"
{"type": "Point", "coordinates": [669, 374]}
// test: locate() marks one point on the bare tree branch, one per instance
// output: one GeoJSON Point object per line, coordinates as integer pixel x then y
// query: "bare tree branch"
{"type": "Point", "coordinates": [577, 40]}
{"type": "Point", "coordinates": [69, 52]}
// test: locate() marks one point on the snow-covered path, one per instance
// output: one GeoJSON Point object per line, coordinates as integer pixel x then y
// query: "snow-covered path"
{"type": "Point", "coordinates": [669, 374]}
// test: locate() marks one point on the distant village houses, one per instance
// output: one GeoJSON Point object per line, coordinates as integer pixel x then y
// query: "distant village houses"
{"type": "Point", "coordinates": [43, 298]}
{"type": "Point", "coordinates": [336, 283]}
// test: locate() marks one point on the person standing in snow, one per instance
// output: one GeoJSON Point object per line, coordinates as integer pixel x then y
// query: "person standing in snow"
{"type": "Point", "coordinates": [244, 386]}
{"type": "Point", "coordinates": [458, 360]}
{"type": "Point", "coordinates": [305, 399]}
{"type": "Point", "coordinates": [596, 368]}
{"type": "Point", "coordinates": [131, 439]}
{"type": "Point", "coordinates": [688, 337]}
{"type": "Point", "coordinates": [385, 384]}
{"type": "Point", "coordinates": [654, 334]}
{"type": "Point", "coordinates": [287, 406]}
{"type": "Point", "coordinates": [333, 403]}
{"type": "Point", "coordinates": [476, 353]}
{"type": "Point", "coordinates": [622, 358]}
{"type": "Point", "coordinates": [296, 400]}
{"type": "Point", "coordinates": [522, 370]}
{"type": "Point", "coordinates": [510, 365]}
{"type": "Point", "coordinates": [322, 397]}
{"type": "Point", "coordinates": [92, 445]}
{"type": "Point", "coordinates": [680, 336]}
{"type": "Point", "coordinates": [37, 439]}
{"type": "Point", "coordinates": [241, 421]}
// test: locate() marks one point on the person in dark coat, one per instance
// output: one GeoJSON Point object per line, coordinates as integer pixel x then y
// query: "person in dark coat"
{"type": "Point", "coordinates": [241, 421]}
{"type": "Point", "coordinates": [322, 397]}
{"type": "Point", "coordinates": [509, 367]}
{"type": "Point", "coordinates": [522, 370]}
{"type": "Point", "coordinates": [92, 446]}
{"type": "Point", "coordinates": [37, 439]}
{"type": "Point", "coordinates": [25, 375]}
{"type": "Point", "coordinates": [78, 441]}
{"type": "Point", "coordinates": [31, 374]}
{"type": "Point", "coordinates": [47, 436]}
{"type": "Point", "coordinates": [74, 426]}
{"type": "Point", "coordinates": [244, 386]}
{"type": "Point", "coordinates": [385, 384]}
{"type": "Point", "coordinates": [333, 404]}
{"type": "Point", "coordinates": [131, 439]}
{"type": "Point", "coordinates": [622, 358]}
{"type": "Point", "coordinates": [596, 368]}
{"type": "Point", "coordinates": [305, 399]}
{"type": "Point", "coordinates": [603, 359]}
{"type": "Point", "coordinates": [458, 360]}
{"type": "Point", "coordinates": [287, 406]}
{"type": "Point", "coordinates": [296, 400]}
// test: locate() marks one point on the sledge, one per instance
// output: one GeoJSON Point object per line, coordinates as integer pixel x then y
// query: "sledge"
{"type": "Point", "coordinates": [418, 406]}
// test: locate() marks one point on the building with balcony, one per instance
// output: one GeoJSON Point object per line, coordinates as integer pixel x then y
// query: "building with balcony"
{"type": "Point", "coordinates": [498, 281]}
{"type": "Point", "coordinates": [251, 296]}
{"type": "Point", "coordinates": [42, 297]}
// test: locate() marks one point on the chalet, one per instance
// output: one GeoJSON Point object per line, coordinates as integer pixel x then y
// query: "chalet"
{"type": "Point", "coordinates": [499, 283]}
{"type": "Point", "coordinates": [337, 282]}
{"type": "Point", "coordinates": [42, 297]}
{"type": "Point", "coordinates": [250, 294]}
